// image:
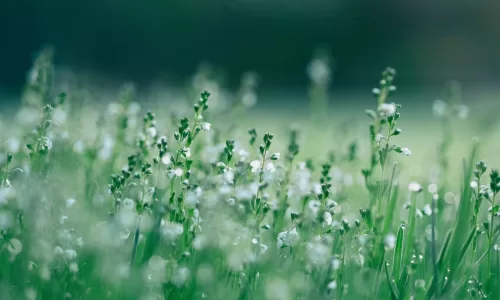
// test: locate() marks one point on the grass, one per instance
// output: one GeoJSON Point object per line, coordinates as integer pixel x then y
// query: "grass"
{"type": "Point", "coordinates": [110, 201]}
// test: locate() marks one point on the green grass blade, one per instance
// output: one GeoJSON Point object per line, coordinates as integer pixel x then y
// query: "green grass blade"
{"type": "Point", "coordinates": [392, 285]}
{"type": "Point", "coordinates": [398, 253]}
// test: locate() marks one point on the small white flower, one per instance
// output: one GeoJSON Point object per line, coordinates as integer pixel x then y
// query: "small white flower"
{"type": "Point", "coordinates": [379, 137]}
{"type": "Point", "coordinates": [439, 108]}
{"type": "Point", "coordinates": [414, 187]}
{"type": "Point", "coordinates": [70, 202]}
{"type": "Point", "coordinates": [70, 254]}
{"type": "Point", "coordinates": [255, 165]}
{"type": "Point", "coordinates": [332, 285]}
{"type": "Point", "coordinates": [178, 172]}
{"type": "Point", "coordinates": [243, 154]}
{"type": "Point", "coordinates": [205, 126]}
{"type": "Point", "coordinates": [327, 218]}
{"type": "Point", "coordinates": [62, 219]}
{"type": "Point", "coordinates": [58, 250]}
{"type": "Point", "coordinates": [228, 177]}
{"type": "Point", "coordinates": [13, 145]}
{"type": "Point", "coordinates": [390, 241]}
{"type": "Point", "coordinates": [46, 143]}
{"type": "Point", "coordinates": [166, 159]}
{"type": "Point", "coordinates": [73, 267]}
{"type": "Point", "coordinates": [187, 152]}
{"type": "Point", "coordinates": [249, 99]}
{"type": "Point", "coordinates": [288, 238]}
{"type": "Point", "coordinates": [463, 111]}
{"type": "Point", "coordinates": [474, 184]}
{"type": "Point", "coordinates": [151, 131]}
{"type": "Point", "coordinates": [336, 263]}
{"type": "Point", "coordinates": [387, 109]}
{"type": "Point", "coordinates": [79, 146]}
{"type": "Point", "coordinates": [405, 151]}
{"type": "Point", "coordinates": [269, 167]}
{"type": "Point", "coordinates": [427, 210]}
{"type": "Point", "coordinates": [79, 242]}
{"type": "Point", "coordinates": [496, 247]}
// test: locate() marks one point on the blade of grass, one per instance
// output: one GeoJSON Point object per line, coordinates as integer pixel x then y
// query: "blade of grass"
{"type": "Point", "coordinates": [462, 221]}
{"type": "Point", "coordinates": [398, 253]}
{"type": "Point", "coordinates": [392, 202]}
{"type": "Point", "coordinates": [392, 286]}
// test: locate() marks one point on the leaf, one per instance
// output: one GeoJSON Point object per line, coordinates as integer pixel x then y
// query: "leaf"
{"type": "Point", "coordinates": [392, 285]}
{"type": "Point", "coordinates": [398, 253]}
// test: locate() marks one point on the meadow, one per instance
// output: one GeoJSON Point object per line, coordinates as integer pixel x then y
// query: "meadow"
{"type": "Point", "coordinates": [214, 194]}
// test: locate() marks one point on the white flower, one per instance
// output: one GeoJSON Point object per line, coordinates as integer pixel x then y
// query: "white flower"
{"type": "Point", "coordinates": [79, 242]}
{"type": "Point", "coordinates": [387, 109]}
{"type": "Point", "coordinates": [70, 254]}
{"type": "Point", "coordinates": [319, 71]}
{"type": "Point", "coordinates": [405, 151]}
{"type": "Point", "coordinates": [187, 152]}
{"type": "Point", "coordinates": [288, 238]}
{"type": "Point", "coordinates": [79, 146]}
{"type": "Point", "coordinates": [62, 219]}
{"type": "Point", "coordinates": [379, 137]}
{"type": "Point", "coordinates": [414, 187]}
{"type": "Point", "coordinates": [166, 159]}
{"type": "Point", "coordinates": [205, 126]}
{"type": "Point", "coordinates": [255, 165]}
{"type": "Point", "coordinates": [13, 145]}
{"type": "Point", "coordinates": [243, 154]}
{"type": "Point", "coordinates": [46, 143]}
{"type": "Point", "coordinates": [269, 167]}
{"type": "Point", "coordinates": [427, 210]}
{"type": "Point", "coordinates": [171, 231]}
{"type": "Point", "coordinates": [439, 108]}
{"type": "Point", "coordinates": [390, 241]}
{"type": "Point", "coordinates": [178, 172]}
{"type": "Point", "coordinates": [332, 285]}
{"type": "Point", "coordinates": [327, 218]}
{"type": "Point", "coordinates": [463, 111]}
{"type": "Point", "coordinates": [249, 99]}
{"type": "Point", "coordinates": [151, 131]}
{"type": "Point", "coordinates": [228, 177]}
{"type": "Point", "coordinates": [474, 184]}
{"type": "Point", "coordinates": [58, 250]}
{"type": "Point", "coordinates": [70, 202]}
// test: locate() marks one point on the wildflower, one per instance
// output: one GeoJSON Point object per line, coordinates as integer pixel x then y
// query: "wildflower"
{"type": "Point", "coordinates": [390, 241]}
{"type": "Point", "coordinates": [228, 177]}
{"type": "Point", "coordinates": [414, 187]}
{"type": "Point", "coordinates": [70, 254]}
{"type": "Point", "coordinates": [187, 152]}
{"type": "Point", "coordinates": [243, 154]}
{"type": "Point", "coordinates": [151, 131]}
{"type": "Point", "coordinates": [275, 156]}
{"type": "Point", "coordinates": [474, 184]}
{"type": "Point", "coordinates": [249, 100]}
{"type": "Point", "coordinates": [166, 159]}
{"type": "Point", "coordinates": [327, 218]}
{"type": "Point", "coordinates": [405, 151]}
{"type": "Point", "coordinates": [46, 143]}
{"type": "Point", "coordinates": [463, 111]}
{"type": "Point", "coordinates": [269, 167]}
{"type": "Point", "coordinates": [178, 172]}
{"type": "Point", "coordinates": [255, 165]}
{"type": "Point", "coordinates": [288, 238]}
{"type": "Point", "coordinates": [427, 210]}
{"type": "Point", "coordinates": [205, 126]}
{"type": "Point", "coordinates": [439, 108]}
{"type": "Point", "coordinates": [171, 230]}
{"type": "Point", "coordinates": [332, 285]}
{"type": "Point", "coordinates": [387, 109]}
{"type": "Point", "coordinates": [58, 250]}
{"type": "Point", "coordinates": [70, 202]}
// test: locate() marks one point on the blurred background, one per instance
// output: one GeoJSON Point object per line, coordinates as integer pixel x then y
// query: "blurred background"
{"type": "Point", "coordinates": [428, 42]}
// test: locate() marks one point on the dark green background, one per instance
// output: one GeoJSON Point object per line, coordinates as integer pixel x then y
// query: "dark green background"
{"type": "Point", "coordinates": [428, 42]}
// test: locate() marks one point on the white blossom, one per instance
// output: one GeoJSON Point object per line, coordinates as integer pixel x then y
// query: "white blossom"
{"type": "Point", "coordinates": [387, 109]}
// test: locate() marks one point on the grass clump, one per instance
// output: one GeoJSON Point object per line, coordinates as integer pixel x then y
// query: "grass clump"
{"type": "Point", "coordinates": [119, 204]}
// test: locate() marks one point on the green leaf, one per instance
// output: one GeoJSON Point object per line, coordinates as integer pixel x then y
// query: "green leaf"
{"type": "Point", "coordinates": [398, 253]}
{"type": "Point", "coordinates": [392, 285]}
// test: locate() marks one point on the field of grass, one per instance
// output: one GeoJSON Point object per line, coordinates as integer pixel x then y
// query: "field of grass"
{"type": "Point", "coordinates": [202, 196]}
